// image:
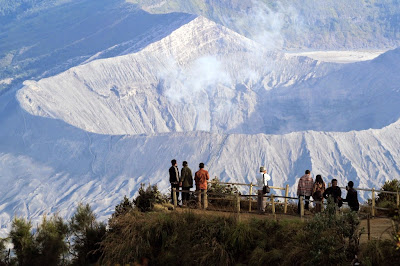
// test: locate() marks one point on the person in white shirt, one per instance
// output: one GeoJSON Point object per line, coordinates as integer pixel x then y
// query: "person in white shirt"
{"type": "Point", "coordinates": [262, 182]}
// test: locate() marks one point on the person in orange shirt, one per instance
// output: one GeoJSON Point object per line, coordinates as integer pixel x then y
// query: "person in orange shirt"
{"type": "Point", "coordinates": [201, 178]}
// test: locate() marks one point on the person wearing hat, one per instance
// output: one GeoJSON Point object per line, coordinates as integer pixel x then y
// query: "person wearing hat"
{"type": "Point", "coordinates": [263, 183]}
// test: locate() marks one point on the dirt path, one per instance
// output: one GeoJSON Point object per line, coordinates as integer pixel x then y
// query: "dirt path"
{"type": "Point", "coordinates": [381, 228]}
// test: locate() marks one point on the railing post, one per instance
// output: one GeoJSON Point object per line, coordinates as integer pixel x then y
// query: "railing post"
{"type": "Point", "coordinates": [273, 205]}
{"type": "Point", "coordinates": [237, 203]}
{"type": "Point", "coordinates": [205, 199]}
{"type": "Point", "coordinates": [301, 206]}
{"type": "Point", "coordinates": [174, 199]}
{"type": "Point", "coordinates": [250, 193]}
{"type": "Point", "coordinates": [368, 227]}
{"type": "Point", "coordinates": [286, 196]}
{"type": "Point", "coordinates": [373, 203]}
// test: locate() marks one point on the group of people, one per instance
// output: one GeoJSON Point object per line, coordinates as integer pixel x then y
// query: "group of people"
{"type": "Point", "coordinates": [184, 180]}
{"type": "Point", "coordinates": [308, 188]}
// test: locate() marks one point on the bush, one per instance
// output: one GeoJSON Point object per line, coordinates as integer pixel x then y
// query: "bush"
{"type": "Point", "coordinates": [329, 238]}
{"type": "Point", "coordinates": [148, 197]}
{"type": "Point", "coordinates": [389, 201]}
{"type": "Point", "coordinates": [393, 186]}
{"type": "Point", "coordinates": [122, 208]}
{"type": "Point", "coordinates": [222, 193]}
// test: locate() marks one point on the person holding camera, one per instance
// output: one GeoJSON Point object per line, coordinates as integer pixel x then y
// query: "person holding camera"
{"type": "Point", "coordinates": [351, 197]}
{"type": "Point", "coordinates": [263, 182]}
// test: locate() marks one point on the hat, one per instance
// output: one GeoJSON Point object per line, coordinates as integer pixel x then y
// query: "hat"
{"type": "Point", "coordinates": [262, 169]}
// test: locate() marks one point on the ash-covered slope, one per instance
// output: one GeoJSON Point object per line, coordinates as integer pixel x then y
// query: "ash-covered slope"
{"type": "Point", "coordinates": [201, 77]}
{"type": "Point", "coordinates": [206, 77]}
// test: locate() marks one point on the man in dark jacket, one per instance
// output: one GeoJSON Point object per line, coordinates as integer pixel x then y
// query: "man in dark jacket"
{"type": "Point", "coordinates": [351, 197]}
{"type": "Point", "coordinates": [174, 179]}
{"type": "Point", "coordinates": [335, 192]}
{"type": "Point", "coordinates": [187, 182]}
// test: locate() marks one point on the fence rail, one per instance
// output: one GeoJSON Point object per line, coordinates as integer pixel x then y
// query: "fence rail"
{"type": "Point", "coordinates": [249, 197]}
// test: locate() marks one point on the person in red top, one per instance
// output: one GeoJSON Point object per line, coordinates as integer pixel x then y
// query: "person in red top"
{"type": "Point", "coordinates": [305, 189]}
{"type": "Point", "coordinates": [201, 178]}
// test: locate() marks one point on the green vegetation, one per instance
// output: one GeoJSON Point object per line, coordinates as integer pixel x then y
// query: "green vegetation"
{"type": "Point", "coordinates": [389, 201]}
{"type": "Point", "coordinates": [136, 235]}
{"type": "Point", "coordinates": [148, 197]}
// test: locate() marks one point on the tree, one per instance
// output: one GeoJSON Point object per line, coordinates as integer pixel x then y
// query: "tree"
{"type": "Point", "coordinates": [86, 235]}
{"type": "Point", "coordinates": [23, 240]}
{"type": "Point", "coordinates": [50, 237]}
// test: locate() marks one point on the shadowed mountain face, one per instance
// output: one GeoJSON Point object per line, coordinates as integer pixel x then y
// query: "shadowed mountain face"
{"type": "Point", "coordinates": [45, 41]}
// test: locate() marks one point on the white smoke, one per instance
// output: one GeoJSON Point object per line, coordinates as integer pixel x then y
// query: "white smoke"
{"type": "Point", "coordinates": [195, 82]}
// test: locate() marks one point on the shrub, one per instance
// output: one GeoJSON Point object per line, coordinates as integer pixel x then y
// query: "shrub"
{"type": "Point", "coordinates": [148, 197]}
{"type": "Point", "coordinates": [392, 185]}
{"type": "Point", "coordinates": [222, 193]}
{"type": "Point", "coordinates": [329, 238]}
{"type": "Point", "coordinates": [123, 207]}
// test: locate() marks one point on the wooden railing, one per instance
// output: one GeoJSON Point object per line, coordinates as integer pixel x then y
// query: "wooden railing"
{"type": "Point", "coordinates": [249, 197]}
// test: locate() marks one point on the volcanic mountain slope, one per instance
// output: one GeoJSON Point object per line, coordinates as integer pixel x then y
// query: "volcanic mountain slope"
{"type": "Point", "coordinates": [206, 77]}
{"type": "Point", "coordinates": [201, 77]}
{"type": "Point", "coordinates": [95, 132]}
{"type": "Point", "coordinates": [50, 166]}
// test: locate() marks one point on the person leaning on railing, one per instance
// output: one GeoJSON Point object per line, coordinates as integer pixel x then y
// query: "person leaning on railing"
{"type": "Point", "coordinates": [305, 189]}
{"type": "Point", "coordinates": [351, 197]}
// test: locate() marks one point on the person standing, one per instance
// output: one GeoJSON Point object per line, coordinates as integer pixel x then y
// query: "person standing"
{"type": "Point", "coordinates": [187, 182]}
{"type": "Point", "coordinates": [318, 191]}
{"type": "Point", "coordinates": [305, 188]}
{"type": "Point", "coordinates": [174, 179]}
{"type": "Point", "coordinates": [263, 183]}
{"type": "Point", "coordinates": [201, 178]}
{"type": "Point", "coordinates": [351, 197]}
{"type": "Point", "coordinates": [335, 192]}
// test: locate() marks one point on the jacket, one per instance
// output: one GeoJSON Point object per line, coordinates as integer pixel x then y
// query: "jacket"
{"type": "Point", "coordinates": [174, 175]}
{"type": "Point", "coordinates": [201, 178]}
{"type": "Point", "coordinates": [352, 199]}
{"type": "Point", "coordinates": [186, 177]}
{"type": "Point", "coordinates": [305, 186]}
{"type": "Point", "coordinates": [335, 192]}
